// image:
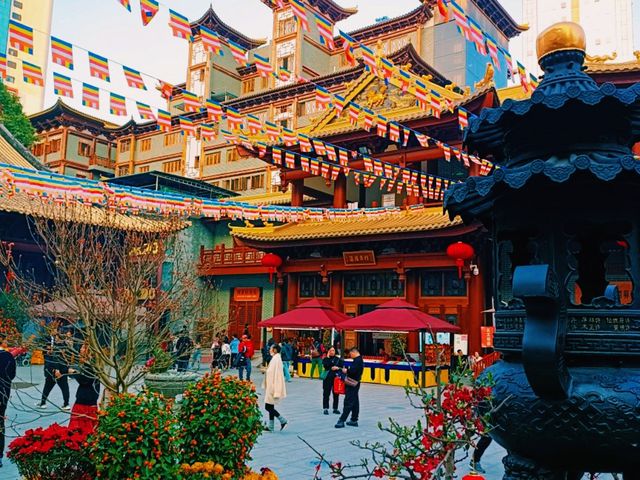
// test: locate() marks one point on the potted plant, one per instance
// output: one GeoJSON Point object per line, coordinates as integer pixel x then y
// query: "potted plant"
{"type": "Point", "coordinates": [160, 380]}
{"type": "Point", "coordinates": [52, 453]}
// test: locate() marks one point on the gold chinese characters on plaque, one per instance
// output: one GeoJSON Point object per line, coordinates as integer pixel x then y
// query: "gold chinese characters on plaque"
{"type": "Point", "coordinates": [359, 259]}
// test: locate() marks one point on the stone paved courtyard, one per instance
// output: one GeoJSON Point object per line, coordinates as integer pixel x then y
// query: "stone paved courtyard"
{"type": "Point", "coordinates": [282, 451]}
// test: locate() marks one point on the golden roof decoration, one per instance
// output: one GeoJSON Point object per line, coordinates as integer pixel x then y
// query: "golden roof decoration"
{"type": "Point", "coordinates": [561, 36]}
{"type": "Point", "coordinates": [419, 220]}
{"type": "Point", "coordinates": [603, 63]}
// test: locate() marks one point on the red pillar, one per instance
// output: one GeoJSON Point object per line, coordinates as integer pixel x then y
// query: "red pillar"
{"type": "Point", "coordinates": [297, 192]}
{"type": "Point", "coordinates": [336, 290]}
{"type": "Point", "coordinates": [340, 192]}
{"type": "Point", "coordinates": [476, 306]}
{"type": "Point", "coordinates": [413, 296]}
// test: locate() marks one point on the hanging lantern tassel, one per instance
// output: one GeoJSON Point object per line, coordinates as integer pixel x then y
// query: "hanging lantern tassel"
{"type": "Point", "coordinates": [461, 252]}
{"type": "Point", "coordinates": [272, 262]}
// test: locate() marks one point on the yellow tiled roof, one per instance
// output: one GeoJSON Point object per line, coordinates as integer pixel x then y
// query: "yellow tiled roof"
{"type": "Point", "coordinates": [9, 153]}
{"type": "Point", "coordinates": [612, 67]}
{"type": "Point", "coordinates": [423, 220]}
{"type": "Point", "coordinates": [515, 92]}
{"type": "Point", "coordinates": [24, 204]}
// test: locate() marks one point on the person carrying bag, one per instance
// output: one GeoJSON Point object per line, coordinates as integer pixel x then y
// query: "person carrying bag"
{"type": "Point", "coordinates": [331, 368]}
{"type": "Point", "coordinates": [352, 390]}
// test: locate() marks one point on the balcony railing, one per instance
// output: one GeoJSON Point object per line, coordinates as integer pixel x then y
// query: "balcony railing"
{"type": "Point", "coordinates": [221, 257]}
{"type": "Point", "coordinates": [98, 161]}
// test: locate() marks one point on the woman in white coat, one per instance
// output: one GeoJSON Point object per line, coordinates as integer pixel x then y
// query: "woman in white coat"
{"type": "Point", "coordinates": [274, 388]}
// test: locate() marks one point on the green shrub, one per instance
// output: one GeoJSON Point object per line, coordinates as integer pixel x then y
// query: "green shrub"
{"type": "Point", "coordinates": [220, 422]}
{"type": "Point", "coordinates": [137, 437]}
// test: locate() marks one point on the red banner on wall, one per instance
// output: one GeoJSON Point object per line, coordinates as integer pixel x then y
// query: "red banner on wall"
{"type": "Point", "coordinates": [486, 334]}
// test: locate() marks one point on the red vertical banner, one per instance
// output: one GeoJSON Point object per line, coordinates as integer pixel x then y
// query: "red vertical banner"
{"type": "Point", "coordinates": [486, 335]}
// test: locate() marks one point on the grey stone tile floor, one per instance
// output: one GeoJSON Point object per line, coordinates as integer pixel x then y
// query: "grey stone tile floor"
{"type": "Point", "coordinates": [282, 451]}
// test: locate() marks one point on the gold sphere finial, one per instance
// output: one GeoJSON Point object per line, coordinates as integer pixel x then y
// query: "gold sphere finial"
{"type": "Point", "coordinates": [561, 36]}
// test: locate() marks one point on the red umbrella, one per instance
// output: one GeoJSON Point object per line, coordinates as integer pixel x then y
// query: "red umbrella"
{"type": "Point", "coordinates": [397, 316]}
{"type": "Point", "coordinates": [313, 314]}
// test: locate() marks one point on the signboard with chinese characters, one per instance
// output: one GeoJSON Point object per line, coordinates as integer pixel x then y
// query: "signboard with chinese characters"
{"type": "Point", "coordinates": [486, 336]}
{"type": "Point", "coordinates": [246, 294]}
{"type": "Point", "coordinates": [359, 258]}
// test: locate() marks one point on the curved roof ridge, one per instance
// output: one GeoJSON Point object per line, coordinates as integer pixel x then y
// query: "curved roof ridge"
{"type": "Point", "coordinates": [211, 20]}
{"type": "Point", "coordinates": [327, 7]}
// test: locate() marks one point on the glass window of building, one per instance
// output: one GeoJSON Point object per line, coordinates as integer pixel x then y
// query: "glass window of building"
{"type": "Point", "coordinates": [380, 284]}
{"type": "Point", "coordinates": [442, 283]}
{"type": "Point", "coordinates": [172, 166]}
{"type": "Point", "coordinates": [84, 149]}
{"type": "Point", "coordinates": [38, 149]}
{"type": "Point", "coordinates": [232, 155]}
{"type": "Point", "coordinates": [312, 286]}
{"type": "Point", "coordinates": [257, 181]}
{"type": "Point", "coordinates": [122, 171]}
{"type": "Point", "coordinates": [248, 85]}
{"type": "Point", "coordinates": [125, 145]}
{"type": "Point", "coordinates": [145, 144]}
{"type": "Point", "coordinates": [53, 146]}
{"type": "Point", "coordinates": [171, 139]}
{"type": "Point", "coordinates": [144, 169]}
{"type": "Point", "coordinates": [212, 158]}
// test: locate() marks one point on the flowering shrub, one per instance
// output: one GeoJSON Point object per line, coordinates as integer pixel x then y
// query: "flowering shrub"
{"type": "Point", "coordinates": [220, 422]}
{"type": "Point", "coordinates": [215, 471]}
{"type": "Point", "coordinates": [136, 437]}
{"type": "Point", "coordinates": [54, 453]}
{"type": "Point", "coordinates": [452, 419]}
{"type": "Point", "coordinates": [9, 331]}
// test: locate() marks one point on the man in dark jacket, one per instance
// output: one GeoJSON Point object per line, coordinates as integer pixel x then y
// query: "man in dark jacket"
{"type": "Point", "coordinates": [7, 374]}
{"type": "Point", "coordinates": [351, 399]}
{"type": "Point", "coordinates": [54, 360]}
{"type": "Point", "coordinates": [184, 345]}
{"type": "Point", "coordinates": [287, 356]}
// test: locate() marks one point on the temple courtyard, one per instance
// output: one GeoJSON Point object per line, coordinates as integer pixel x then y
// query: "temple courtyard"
{"type": "Point", "coordinates": [284, 452]}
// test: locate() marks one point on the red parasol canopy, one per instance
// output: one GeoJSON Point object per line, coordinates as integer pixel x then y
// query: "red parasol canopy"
{"type": "Point", "coordinates": [313, 314]}
{"type": "Point", "coordinates": [397, 316]}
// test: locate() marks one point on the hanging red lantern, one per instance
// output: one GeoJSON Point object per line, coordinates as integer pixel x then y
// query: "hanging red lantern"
{"type": "Point", "coordinates": [473, 476]}
{"type": "Point", "coordinates": [461, 252]}
{"type": "Point", "coordinates": [272, 262]}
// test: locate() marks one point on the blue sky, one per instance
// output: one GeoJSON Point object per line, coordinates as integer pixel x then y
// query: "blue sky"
{"type": "Point", "coordinates": [106, 28]}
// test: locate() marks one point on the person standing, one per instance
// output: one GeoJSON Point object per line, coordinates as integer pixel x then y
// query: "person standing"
{"type": "Point", "coordinates": [225, 359]}
{"type": "Point", "coordinates": [84, 414]}
{"type": "Point", "coordinates": [234, 350]}
{"type": "Point", "coordinates": [332, 365]}
{"type": "Point", "coordinates": [274, 388]}
{"type": "Point", "coordinates": [245, 354]}
{"type": "Point", "coordinates": [481, 447]}
{"type": "Point", "coordinates": [287, 356]}
{"type": "Point", "coordinates": [316, 358]}
{"type": "Point", "coordinates": [196, 357]}
{"type": "Point", "coordinates": [351, 399]}
{"type": "Point", "coordinates": [7, 374]}
{"type": "Point", "coordinates": [54, 361]}
{"type": "Point", "coordinates": [295, 355]}
{"type": "Point", "coordinates": [184, 345]}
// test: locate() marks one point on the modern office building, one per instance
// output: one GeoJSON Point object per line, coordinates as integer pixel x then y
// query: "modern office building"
{"type": "Point", "coordinates": [607, 23]}
{"type": "Point", "coordinates": [37, 15]}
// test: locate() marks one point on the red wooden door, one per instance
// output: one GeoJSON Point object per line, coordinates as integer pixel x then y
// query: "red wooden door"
{"type": "Point", "coordinates": [247, 313]}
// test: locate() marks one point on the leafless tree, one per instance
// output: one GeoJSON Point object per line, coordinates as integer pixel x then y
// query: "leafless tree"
{"type": "Point", "coordinates": [124, 284]}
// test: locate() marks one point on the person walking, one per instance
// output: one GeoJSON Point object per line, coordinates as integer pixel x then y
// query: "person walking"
{"type": "Point", "coordinates": [184, 345]}
{"type": "Point", "coordinates": [245, 354]}
{"type": "Point", "coordinates": [274, 388]}
{"type": "Point", "coordinates": [54, 361]}
{"type": "Point", "coordinates": [287, 356]}
{"type": "Point", "coordinates": [266, 355]}
{"type": "Point", "coordinates": [234, 350]}
{"type": "Point", "coordinates": [7, 374]}
{"type": "Point", "coordinates": [481, 447]}
{"type": "Point", "coordinates": [332, 365]}
{"type": "Point", "coordinates": [352, 390]}
{"type": "Point", "coordinates": [316, 357]}
{"type": "Point", "coordinates": [84, 414]}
